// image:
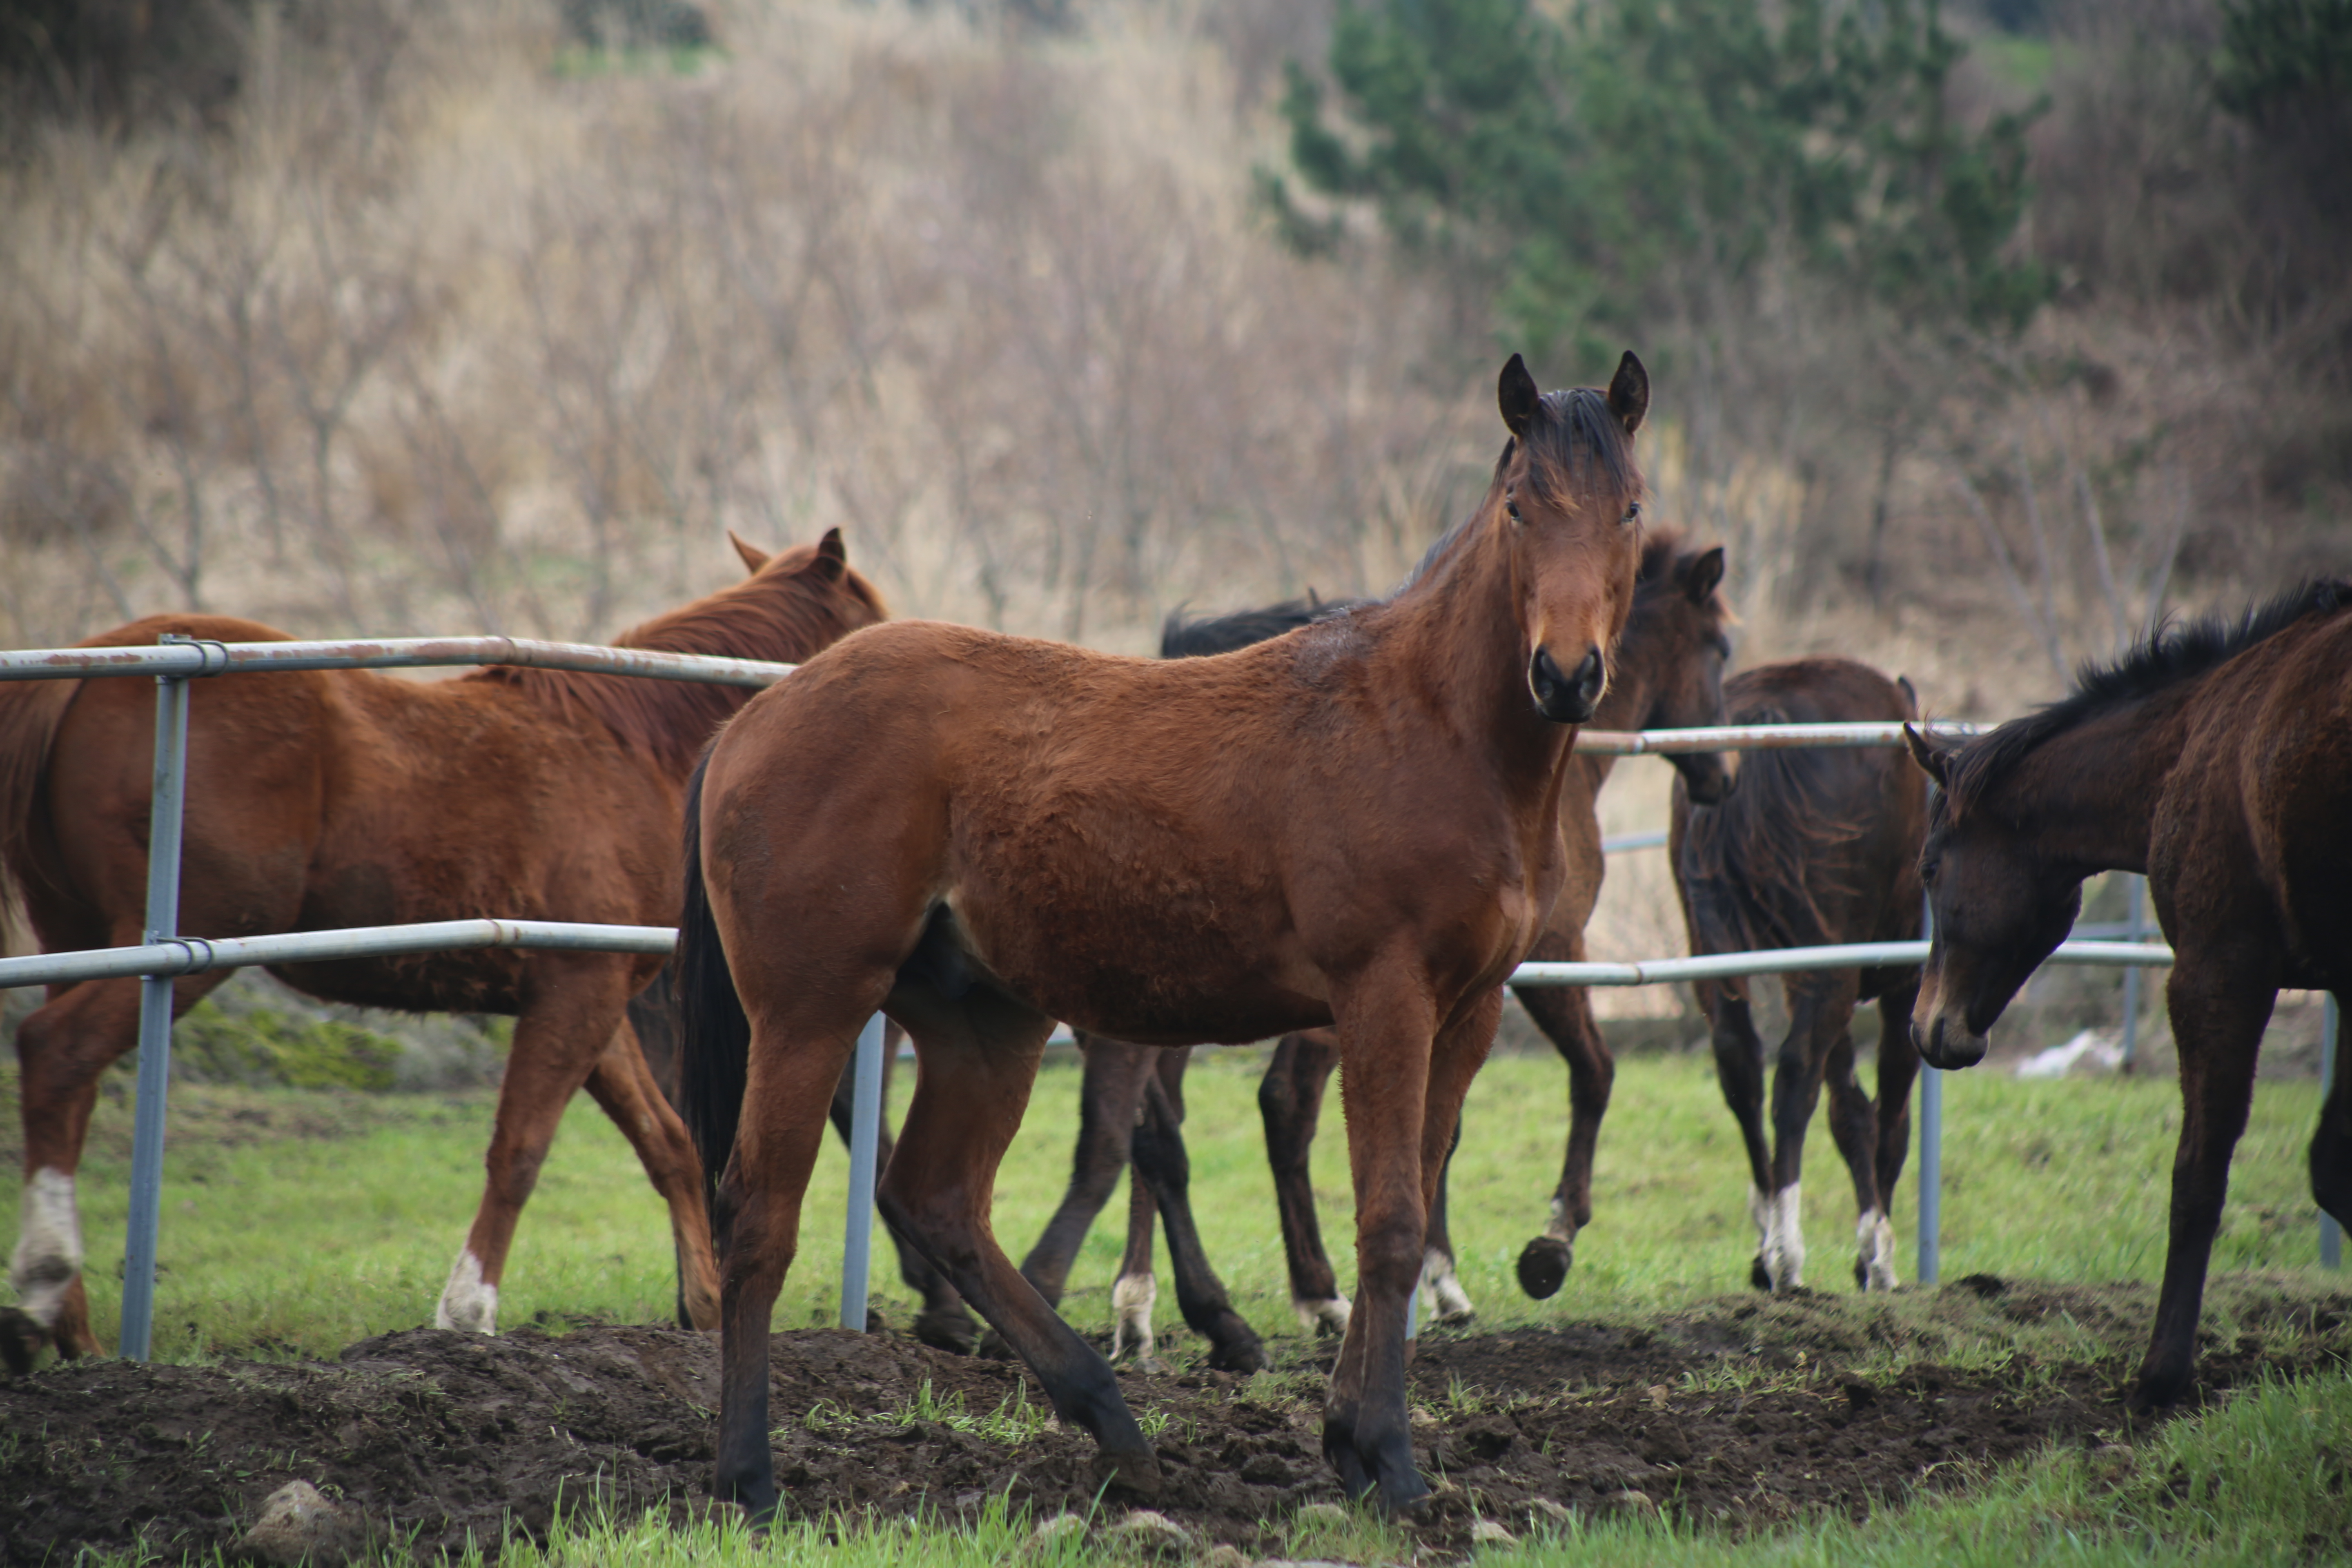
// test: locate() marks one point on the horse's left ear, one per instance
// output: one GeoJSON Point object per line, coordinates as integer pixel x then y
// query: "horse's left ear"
{"type": "Point", "coordinates": [753, 556]}
{"type": "Point", "coordinates": [1705, 576]}
{"type": "Point", "coordinates": [832, 561]}
{"type": "Point", "coordinates": [1519, 396]}
{"type": "Point", "coordinates": [1629, 393]}
{"type": "Point", "coordinates": [1930, 759]}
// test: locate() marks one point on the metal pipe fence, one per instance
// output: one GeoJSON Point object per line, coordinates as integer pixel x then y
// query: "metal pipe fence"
{"type": "Point", "coordinates": [165, 954]}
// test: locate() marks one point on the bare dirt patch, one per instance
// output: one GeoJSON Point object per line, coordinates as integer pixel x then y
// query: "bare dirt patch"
{"type": "Point", "coordinates": [1739, 1414]}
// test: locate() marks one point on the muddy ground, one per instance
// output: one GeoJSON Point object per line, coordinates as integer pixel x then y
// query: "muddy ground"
{"type": "Point", "coordinates": [1736, 1415]}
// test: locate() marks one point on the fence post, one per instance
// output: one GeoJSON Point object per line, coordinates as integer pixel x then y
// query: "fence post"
{"type": "Point", "coordinates": [865, 1134]}
{"type": "Point", "coordinates": [2331, 1235]}
{"type": "Point", "coordinates": [1931, 1145]}
{"type": "Point", "coordinates": [155, 1013]}
{"type": "Point", "coordinates": [2136, 930]}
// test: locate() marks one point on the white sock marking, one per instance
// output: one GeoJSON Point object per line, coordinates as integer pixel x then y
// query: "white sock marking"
{"type": "Point", "coordinates": [466, 1302]}
{"type": "Point", "coordinates": [1875, 1234]}
{"type": "Point", "coordinates": [1331, 1314]}
{"type": "Point", "coordinates": [1448, 1302]}
{"type": "Point", "coordinates": [48, 1249]}
{"type": "Point", "coordinates": [1131, 1295]}
{"type": "Point", "coordinates": [1784, 1239]}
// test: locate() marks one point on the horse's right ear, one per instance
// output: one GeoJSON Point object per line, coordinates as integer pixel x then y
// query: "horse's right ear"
{"type": "Point", "coordinates": [1519, 398]}
{"type": "Point", "coordinates": [1931, 760]}
{"type": "Point", "coordinates": [1705, 576]}
{"type": "Point", "coordinates": [1629, 393]}
{"type": "Point", "coordinates": [753, 556]}
{"type": "Point", "coordinates": [832, 561]}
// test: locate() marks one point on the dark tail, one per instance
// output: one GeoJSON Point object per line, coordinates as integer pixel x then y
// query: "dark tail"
{"type": "Point", "coordinates": [715, 1034]}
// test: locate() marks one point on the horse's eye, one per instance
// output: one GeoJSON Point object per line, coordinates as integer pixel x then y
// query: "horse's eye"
{"type": "Point", "coordinates": [1633, 514]}
{"type": "Point", "coordinates": [1928, 873]}
{"type": "Point", "coordinates": [1512, 506]}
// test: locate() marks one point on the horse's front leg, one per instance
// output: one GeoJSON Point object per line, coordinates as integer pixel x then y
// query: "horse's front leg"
{"type": "Point", "coordinates": [1386, 1028]}
{"type": "Point", "coordinates": [571, 1007]}
{"type": "Point", "coordinates": [623, 1083]}
{"type": "Point", "coordinates": [2220, 1002]}
{"type": "Point", "coordinates": [978, 1057]}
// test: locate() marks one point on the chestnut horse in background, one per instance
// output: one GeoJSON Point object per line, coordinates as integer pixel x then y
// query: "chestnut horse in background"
{"type": "Point", "coordinates": [322, 799]}
{"type": "Point", "coordinates": [1816, 847]}
{"type": "Point", "coordinates": [1356, 823]}
{"type": "Point", "coordinates": [1665, 672]}
{"type": "Point", "coordinates": [2217, 759]}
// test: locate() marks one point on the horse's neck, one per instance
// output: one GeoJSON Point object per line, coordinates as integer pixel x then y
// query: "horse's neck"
{"type": "Point", "coordinates": [2088, 795]}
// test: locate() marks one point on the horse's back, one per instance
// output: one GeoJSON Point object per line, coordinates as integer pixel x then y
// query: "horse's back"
{"type": "Point", "coordinates": [1811, 845]}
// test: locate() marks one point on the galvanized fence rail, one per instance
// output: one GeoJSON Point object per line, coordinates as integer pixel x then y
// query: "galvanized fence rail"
{"type": "Point", "coordinates": [164, 954]}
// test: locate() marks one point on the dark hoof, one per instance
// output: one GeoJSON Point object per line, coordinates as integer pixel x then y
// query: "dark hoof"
{"type": "Point", "coordinates": [952, 1328]}
{"type": "Point", "coordinates": [1355, 1481]}
{"type": "Point", "coordinates": [21, 1339]}
{"type": "Point", "coordinates": [1133, 1474]}
{"type": "Point", "coordinates": [1759, 1276]}
{"type": "Point", "coordinates": [1241, 1352]}
{"type": "Point", "coordinates": [2152, 1393]}
{"type": "Point", "coordinates": [994, 1348]}
{"type": "Point", "coordinates": [1543, 1266]}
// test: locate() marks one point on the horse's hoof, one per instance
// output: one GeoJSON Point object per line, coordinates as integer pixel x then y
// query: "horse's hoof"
{"type": "Point", "coordinates": [21, 1339]}
{"type": "Point", "coordinates": [1406, 1497]}
{"type": "Point", "coordinates": [1135, 1473]}
{"type": "Point", "coordinates": [1759, 1276]}
{"type": "Point", "coordinates": [994, 1348]}
{"type": "Point", "coordinates": [1243, 1353]}
{"type": "Point", "coordinates": [2156, 1392]}
{"type": "Point", "coordinates": [951, 1329]}
{"type": "Point", "coordinates": [1543, 1266]}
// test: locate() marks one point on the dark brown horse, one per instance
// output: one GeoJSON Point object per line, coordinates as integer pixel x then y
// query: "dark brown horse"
{"type": "Point", "coordinates": [1357, 823]}
{"type": "Point", "coordinates": [2216, 758]}
{"type": "Point", "coordinates": [1815, 846]}
{"type": "Point", "coordinates": [345, 798]}
{"type": "Point", "coordinates": [1667, 672]}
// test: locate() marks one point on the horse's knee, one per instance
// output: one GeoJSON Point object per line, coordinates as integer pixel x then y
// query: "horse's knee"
{"type": "Point", "coordinates": [1390, 1254]}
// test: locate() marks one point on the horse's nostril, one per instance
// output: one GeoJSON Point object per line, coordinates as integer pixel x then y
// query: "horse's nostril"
{"type": "Point", "coordinates": [1590, 677]}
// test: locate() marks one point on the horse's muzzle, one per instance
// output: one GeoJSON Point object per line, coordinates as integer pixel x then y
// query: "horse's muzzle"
{"type": "Point", "coordinates": [1568, 698]}
{"type": "Point", "coordinates": [1947, 1043]}
{"type": "Point", "coordinates": [1705, 777]}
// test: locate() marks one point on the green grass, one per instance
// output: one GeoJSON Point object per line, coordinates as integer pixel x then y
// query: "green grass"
{"type": "Point", "coordinates": [304, 1244]}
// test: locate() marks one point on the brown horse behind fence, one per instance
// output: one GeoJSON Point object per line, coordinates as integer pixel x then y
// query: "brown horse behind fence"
{"type": "Point", "coordinates": [343, 798]}
{"type": "Point", "coordinates": [1356, 823]}
{"type": "Point", "coordinates": [2217, 759]}
{"type": "Point", "coordinates": [1816, 847]}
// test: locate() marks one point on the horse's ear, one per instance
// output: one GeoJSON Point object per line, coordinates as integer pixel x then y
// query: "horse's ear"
{"type": "Point", "coordinates": [1519, 398]}
{"type": "Point", "coordinates": [753, 556]}
{"type": "Point", "coordinates": [1931, 760]}
{"type": "Point", "coordinates": [832, 561]}
{"type": "Point", "coordinates": [1705, 576]}
{"type": "Point", "coordinates": [1629, 393]}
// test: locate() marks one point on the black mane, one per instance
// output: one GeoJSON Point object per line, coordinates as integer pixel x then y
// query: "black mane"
{"type": "Point", "coordinates": [2177, 652]}
{"type": "Point", "coordinates": [1188, 638]}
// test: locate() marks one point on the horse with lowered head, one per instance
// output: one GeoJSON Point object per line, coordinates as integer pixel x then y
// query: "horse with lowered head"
{"type": "Point", "coordinates": [2216, 758]}
{"type": "Point", "coordinates": [330, 799]}
{"type": "Point", "coordinates": [978, 834]}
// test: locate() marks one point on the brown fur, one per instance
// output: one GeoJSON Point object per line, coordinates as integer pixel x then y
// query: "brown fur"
{"type": "Point", "coordinates": [1355, 823]}
{"type": "Point", "coordinates": [320, 800]}
{"type": "Point", "coordinates": [2218, 760]}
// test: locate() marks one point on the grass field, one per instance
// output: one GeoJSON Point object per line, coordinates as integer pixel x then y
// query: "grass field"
{"type": "Point", "coordinates": [297, 1222]}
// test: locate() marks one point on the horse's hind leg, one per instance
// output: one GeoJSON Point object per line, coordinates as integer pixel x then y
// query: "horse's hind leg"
{"type": "Point", "coordinates": [943, 1323]}
{"type": "Point", "coordinates": [2219, 1004]}
{"type": "Point", "coordinates": [61, 1050]}
{"type": "Point", "coordinates": [573, 1006]}
{"type": "Point", "coordinates": [1739, 1073]}
{"type": "Point", "coordinates": [1450, 1303]}
{"type": "Point", "coordinates": [1164, 1171]}
{"type": "Point", "coordinates": [623, 1084]}
{"type": "Point", "coordinates": [2331, 1141]}
{"type": "Point", "coordinates": [1821, 1005]}
{"type": "Point", "coordinates": [1134, 1291]}
{"type": "Point", "coordinates": [1565, 1015]}
{"type": "Point", "coordinates": [1898, 1065]}
{"type": "Point", "coordinates": [1290, 1102]}
{"type": "Point", "coordinates": [1110, 1100]}
{"type": "Point", "coordinates": [980, 1056]}
{"type": "Point", "coordinates": [1853, 1125]}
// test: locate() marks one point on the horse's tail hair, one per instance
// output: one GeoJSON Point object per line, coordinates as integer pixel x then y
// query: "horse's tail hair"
{"type": "Point", "coordinates": [30, 713]}
{"type": "Point", "coordinates": [715, 1034]}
